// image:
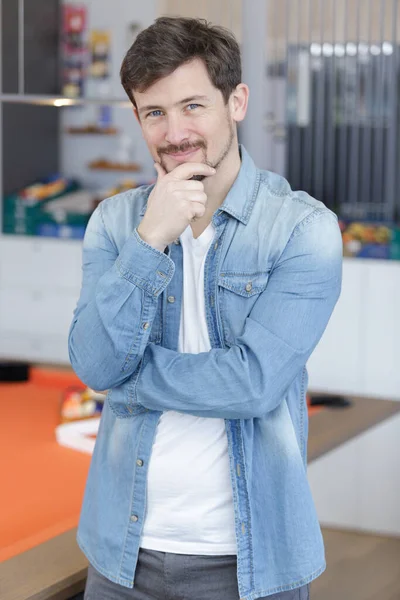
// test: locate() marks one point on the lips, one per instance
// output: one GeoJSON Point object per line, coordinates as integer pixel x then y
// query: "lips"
{"type": "Point", "coordinates": [183, 155]}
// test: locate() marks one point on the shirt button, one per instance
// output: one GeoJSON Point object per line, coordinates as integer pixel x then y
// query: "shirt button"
{"type": "Point", "coordinates": [139, 462]}
{"type": "Point", "coordinates": [146, 325]}
{"type": "Point", "coordinates": [248, 286]}
{"type": "Point", "coordinates": [176, 242]}
{"type": "Point", "coordinates": [171, 299]}
{"type": "Point", "coordinates": [215, 245]}
{"type": "Point", "coordinates": [134, 518]}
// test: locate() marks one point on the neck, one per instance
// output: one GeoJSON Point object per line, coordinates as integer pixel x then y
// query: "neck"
{"type": "Point", "coordinates": [218, 186]}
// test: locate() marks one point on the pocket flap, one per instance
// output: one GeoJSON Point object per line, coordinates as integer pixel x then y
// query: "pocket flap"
{"type": "Point", "coordinates": [244, 284]}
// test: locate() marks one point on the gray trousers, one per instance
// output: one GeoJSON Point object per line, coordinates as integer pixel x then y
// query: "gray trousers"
{"type": "Point", "coordinates": [165, 576]}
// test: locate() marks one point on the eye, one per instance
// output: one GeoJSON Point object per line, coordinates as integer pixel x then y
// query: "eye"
{"type": "Point", "coordinates": [192, 106]}
{"type": "Point", "coordinates": [154, 113]}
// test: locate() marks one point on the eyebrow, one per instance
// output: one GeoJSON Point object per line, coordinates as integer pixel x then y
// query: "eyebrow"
{"type": "Point", "coordinates": [184, 101]}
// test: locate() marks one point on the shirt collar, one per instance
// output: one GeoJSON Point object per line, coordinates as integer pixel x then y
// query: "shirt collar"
{"type": "Point", "coordinates": [243, 193]}
{"type": "Point", "coordinates": [241, 197]}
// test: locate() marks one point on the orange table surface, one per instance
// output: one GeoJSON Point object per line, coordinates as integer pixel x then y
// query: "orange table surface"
{"type": "Point", "coordinates": [42, 482]}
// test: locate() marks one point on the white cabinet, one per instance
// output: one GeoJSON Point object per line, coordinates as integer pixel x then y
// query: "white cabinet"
{"type": "Point", "coordinates": [379, 476]}
{"type": "Point", "coordinates": [357, 486]}
{"type": "Point", "coordinates": [39, 287]}
{"type": "Point", "coordinates": [33, 262]}
{"type": "Point", "coordinates": [337, 362]}
{"type": "Point", "coordinates": [359, 352]}
{"type": "Point", "coordinates": [38, 311]}
{"type": "Point", "coordinates": [334, 481]}
{"type": "Point", "coordinates": [34, 348]}
{"type": "Point", "coordinates": [381, 340]}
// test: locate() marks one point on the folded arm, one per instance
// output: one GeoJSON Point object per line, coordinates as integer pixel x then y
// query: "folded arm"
{"type": "Point", "coordinates": [250, 378]}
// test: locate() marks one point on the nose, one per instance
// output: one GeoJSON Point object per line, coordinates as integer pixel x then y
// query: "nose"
{"type": "Point", "coordinates": [176, 130]}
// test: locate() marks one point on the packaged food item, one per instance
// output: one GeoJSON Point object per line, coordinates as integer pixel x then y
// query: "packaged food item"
{"type": "Point", "coordinates": [365, 239]}
{"type": "Point", "coordinates": [78, 404]}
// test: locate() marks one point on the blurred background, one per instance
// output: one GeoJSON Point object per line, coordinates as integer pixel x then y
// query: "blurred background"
{"type": "Point", "coordinates": [324, 79]}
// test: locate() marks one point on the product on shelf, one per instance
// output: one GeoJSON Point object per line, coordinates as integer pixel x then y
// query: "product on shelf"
{"type": "Point", "coordinates": [103, 164]}
{"type": "Point", "coordinates": [364, 239]}
{"type": "Point", "coordinates": [92, 129]}
{"type": "Point", "coordinates": [74, 51]}
{"type": "Point", "coordinates": [78, 404]}
{"type": "Point", "coordinates": [54, 207]}
{"type": "Point", "coordinates": [47, 189]}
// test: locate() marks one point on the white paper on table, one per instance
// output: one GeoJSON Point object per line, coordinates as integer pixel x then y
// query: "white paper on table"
{"type": "Point", "coordinates": [76, 434]}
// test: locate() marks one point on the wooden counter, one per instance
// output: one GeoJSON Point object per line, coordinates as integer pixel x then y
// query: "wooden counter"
{"type": "Point", "coordinates": [56, 570]}
{"type": "Point", "coordinates": [333, 427]}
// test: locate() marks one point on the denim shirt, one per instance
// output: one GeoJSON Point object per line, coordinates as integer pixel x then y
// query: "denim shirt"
{"type": "Point", "coordinates": [272, 278]}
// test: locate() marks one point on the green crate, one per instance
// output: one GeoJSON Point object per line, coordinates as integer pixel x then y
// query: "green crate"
{"type": "Point", "coordinates": [395, 244]}
{"type": "Point", "coordinates": [22, 219]}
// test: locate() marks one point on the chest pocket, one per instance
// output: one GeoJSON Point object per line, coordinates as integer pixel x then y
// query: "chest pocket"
{"type": "Point", "coordinates": [237, 294]}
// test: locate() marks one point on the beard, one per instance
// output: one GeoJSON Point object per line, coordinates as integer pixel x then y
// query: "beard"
{"type": "Point", "coordinates": [202, 145]}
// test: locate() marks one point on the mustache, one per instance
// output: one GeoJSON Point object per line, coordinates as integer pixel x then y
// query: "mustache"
{"type": "Point", "coordinates": [174, 149]}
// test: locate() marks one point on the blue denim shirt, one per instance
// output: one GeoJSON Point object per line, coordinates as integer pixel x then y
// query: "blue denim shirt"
{"type": "Point", "coordinates": [272, 278]}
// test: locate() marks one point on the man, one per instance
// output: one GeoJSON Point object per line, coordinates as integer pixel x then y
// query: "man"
{"type": "Point", "coordinates": [203, 297]}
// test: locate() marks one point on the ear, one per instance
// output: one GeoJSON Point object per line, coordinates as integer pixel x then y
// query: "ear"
{"type": "Point", "coordinates": [238, 102]}
{"type": "Point", "coordinates": [135, 112]}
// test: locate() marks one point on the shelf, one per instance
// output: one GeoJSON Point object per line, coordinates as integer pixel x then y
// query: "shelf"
{"type": "Point", "coordinates": [105, 165]}
{"type": "Point", "coordinates": [92, 130]}
{"type": "Point", "coordinates": [61, 101]}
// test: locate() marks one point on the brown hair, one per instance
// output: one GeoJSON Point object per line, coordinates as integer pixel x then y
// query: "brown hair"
{"type": "Point", "coordinates": [173, 41]}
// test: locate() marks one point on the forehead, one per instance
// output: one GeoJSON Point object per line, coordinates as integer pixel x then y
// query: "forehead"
{"type": "Point", "coordinates": [190, 79]}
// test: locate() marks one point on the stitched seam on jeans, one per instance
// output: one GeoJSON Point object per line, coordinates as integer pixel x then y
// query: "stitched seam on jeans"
{"type": "Point", "coordinates": [186, 577]}
{"type": "Point", "coordinates": [165, 577]}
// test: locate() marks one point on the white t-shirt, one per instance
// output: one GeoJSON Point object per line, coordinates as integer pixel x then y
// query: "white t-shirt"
{"type": "Point", "coordinates": [189, 494]}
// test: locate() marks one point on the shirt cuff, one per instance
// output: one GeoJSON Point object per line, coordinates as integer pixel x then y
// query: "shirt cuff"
{"type": "Point", "coordinates": [145, 266]}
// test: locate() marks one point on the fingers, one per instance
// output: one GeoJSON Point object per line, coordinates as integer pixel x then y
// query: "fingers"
{"type": "Point", "coordinates": [191, 184]}
{"type": "Point", "coordinates": [187, 170]}
{"type": "Point", "coordinates": [200, 197]}
{"type": "Point", "coordinates": [197, 210]}
{"type": "Point", "coordinates": [191, 196]}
